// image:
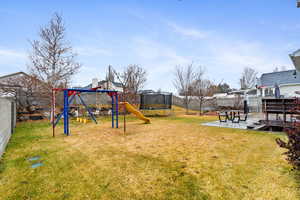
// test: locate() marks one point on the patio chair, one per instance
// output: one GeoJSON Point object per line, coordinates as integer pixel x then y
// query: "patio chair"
{"type": "Point", "coordinates": [236, 118]}
{"type": "Point", "coordinates": [223, 116]}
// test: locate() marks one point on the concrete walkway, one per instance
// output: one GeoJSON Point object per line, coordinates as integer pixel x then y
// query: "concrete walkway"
{"type": "Point", "coordinates": [252, 118]}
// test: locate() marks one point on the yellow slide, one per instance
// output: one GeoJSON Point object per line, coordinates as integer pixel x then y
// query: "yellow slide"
{"type": "Point", "coordinates": [134, 111]}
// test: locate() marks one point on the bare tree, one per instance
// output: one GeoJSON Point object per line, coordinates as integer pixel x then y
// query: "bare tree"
{"type": "Point", "coordinates": [248, 79]}
{"type": "Point", "coordinates": [201, 88]}
{"type": "Point", "coordinates": [132, 80]}
{"type": "Point", "coordinates": [110, 76]}
{"type": "Point", "coordinates": [184, 77]}
{"type": "Point", "coordinates": [238, 102]}
{"type": "Point", "coordinates": [136, 78]}
{"type": "Point", "coordinates": [223, 88]}
{"type": "Point", "coordinates": [52, 59]}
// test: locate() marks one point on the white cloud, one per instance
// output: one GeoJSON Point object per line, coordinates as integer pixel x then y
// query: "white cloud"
{"type": "Point", "coordinates": [136, 14]}
{"type": "Point", "coordinates": [240, 54]}
{"type": "Point", "coordinates": [92, 51]}
{"type": "Point", "coordinates": [159, 60]}
{"type": "Point", "coordinates": [12, 60]}
{"type": "Point", "coordinates": [288, 27]}
{"type": "Point", "coordinates": [223, 58]}
{"type": "Point", "coordinates": [229, 52]}
{"type": "Point", "coordinates": [8, 53]}
{"type": "Point", "coordinates": [191, 33]}
{"type": "Point", "coordinates": [151, 50]}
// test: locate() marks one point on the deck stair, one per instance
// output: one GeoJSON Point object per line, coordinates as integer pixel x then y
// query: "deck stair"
{"type": "Point", "coordinates": [256, 126]}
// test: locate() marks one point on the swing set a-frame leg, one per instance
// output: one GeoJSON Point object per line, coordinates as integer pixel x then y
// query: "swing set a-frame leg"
{"type": "Point", "coordinates": [87, 108]}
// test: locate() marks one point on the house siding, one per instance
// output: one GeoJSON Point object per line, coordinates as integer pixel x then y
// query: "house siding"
{"type": "Point", "coordinates": [289, 90]}
{"type": "Point", "coordinates": [288, 82]}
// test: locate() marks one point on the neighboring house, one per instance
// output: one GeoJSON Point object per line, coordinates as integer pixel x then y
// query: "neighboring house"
{"type": "Point", "coordinates": [295, 57]}
{"type": "Point", "coordinates": [25, 91]}
{"type": "Point", "coordinates": [7, 78]}
{"type": "Point", "coordinates": [13, 75]}
{"type": "Point", "coordinates": [288, 82]}
{"type": "Point", "coordinates": [105, 84]}
{"type": "Point", "coordinates": [8, 83]}
{"type": "Point", "coordinates": [236, 93]}
{"type": "Point", "coordinates": [220, 95]}
{"type": "Point", "coordinates": [99, 98]}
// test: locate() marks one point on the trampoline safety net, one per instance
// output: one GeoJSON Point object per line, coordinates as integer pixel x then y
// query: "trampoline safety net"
{"type": "Point", "coordinates": [155, 101]}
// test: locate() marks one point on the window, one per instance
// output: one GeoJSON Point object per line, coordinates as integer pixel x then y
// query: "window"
{"type": "Point", "coordinates": [269, 92]}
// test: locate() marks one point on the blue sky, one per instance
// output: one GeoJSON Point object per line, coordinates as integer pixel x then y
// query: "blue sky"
{"type": "Point", "coordinates": [224, 36]}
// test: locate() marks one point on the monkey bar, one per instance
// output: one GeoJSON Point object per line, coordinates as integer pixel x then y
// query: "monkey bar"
{"type": "Point", "coordinates": [69, 95]}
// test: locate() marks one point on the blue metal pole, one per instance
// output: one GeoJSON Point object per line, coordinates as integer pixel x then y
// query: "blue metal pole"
{"type": "Point", "coordinates": [61, 114]}
{"type": "Point", "coordinates": [112, 111]}
{"type": "Point", "coordinates": [66, 114]}
{"type": "Point", "coordinates": [117, 111]}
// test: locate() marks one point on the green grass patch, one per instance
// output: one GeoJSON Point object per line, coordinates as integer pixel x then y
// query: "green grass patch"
{"type": "Point", "coordinates": [192, 119]}
{"type": "Point", "coordinates": [171, 158]}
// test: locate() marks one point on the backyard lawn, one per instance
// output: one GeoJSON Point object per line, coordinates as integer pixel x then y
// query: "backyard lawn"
{"type": "Point", "coordinates": [171, 158]}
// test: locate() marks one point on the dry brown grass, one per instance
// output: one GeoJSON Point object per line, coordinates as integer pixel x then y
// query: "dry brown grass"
{"type": "Point", "coordinates": [171, 158]}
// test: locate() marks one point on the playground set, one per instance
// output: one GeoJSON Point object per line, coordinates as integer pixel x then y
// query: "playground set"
{"type": "Point", "coordinates": [69, 95]}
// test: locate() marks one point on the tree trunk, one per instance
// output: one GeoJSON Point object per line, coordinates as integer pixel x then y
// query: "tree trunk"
{"type": "Point", "coordinates": [200, 108]}
{"type": "Point", "coordinates": [186, 106]}
{"type": "Point", "coordinates": [200, 105]}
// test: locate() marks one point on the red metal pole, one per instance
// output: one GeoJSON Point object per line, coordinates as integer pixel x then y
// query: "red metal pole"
{"type": "Point", "coordinates": [53, 112]}
{"type": "Point", "coordinates": [124, 110]}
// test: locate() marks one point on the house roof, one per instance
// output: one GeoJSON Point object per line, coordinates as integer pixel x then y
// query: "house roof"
{"type": "Point", "coordinates": [280, 78]}
{"type": "Point", "coordinates": [295, 57]}
{"type": "Point", "coordinates": [7, 85]}
{"type": "Point", "coordinates": [13, 74]}
{"type": "Point", "coordinates": [116, 84]}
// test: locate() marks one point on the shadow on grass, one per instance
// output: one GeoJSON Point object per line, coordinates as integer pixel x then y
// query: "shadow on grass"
{"type": "Point", "coordinates": [27, 132]}
{"type": "Point", "coordinates": [62, 166]}
{"type": "Point", "coordinates": [196, 119]}
{"type": "Point", "coordinates": [106, 174]}
{"type": "Point", "coordinates": [170, 178]}
{"type": "Point", "coordinates": [290, 171]}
